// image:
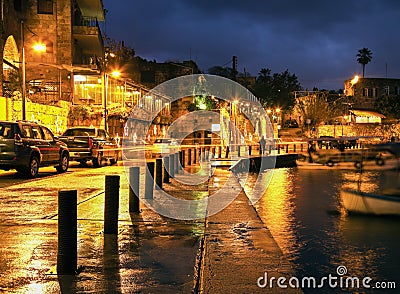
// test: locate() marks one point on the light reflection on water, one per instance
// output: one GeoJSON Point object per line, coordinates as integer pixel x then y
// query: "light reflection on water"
{"type": "Point", "coordinates": [302, 210]}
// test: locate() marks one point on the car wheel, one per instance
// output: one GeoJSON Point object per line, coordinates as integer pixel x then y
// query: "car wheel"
{"type": "Point", "coordinates": [97, 161]}
{"type": "Point", "coordinates": [33, 168]}
{"type": "Point", "coordinates": [63, 167]}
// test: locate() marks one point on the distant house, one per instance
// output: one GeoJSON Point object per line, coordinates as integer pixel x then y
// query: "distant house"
{"type": "Point", "coordinates": [366, 92]}
{"type": "Point", "coordinates": [365, 116]}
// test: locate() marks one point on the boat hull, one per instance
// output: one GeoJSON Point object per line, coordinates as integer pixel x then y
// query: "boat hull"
{"type": "Point", "coordinates": [355, 201]}
{"type": "Point", "coordinates": [391, 164]}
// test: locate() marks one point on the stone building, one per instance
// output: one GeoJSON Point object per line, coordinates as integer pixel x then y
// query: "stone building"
{"type": "Point", "coordinates": [152, 73]}
{"type": "Point", "coordinates": [366, 91]}
{"type": "Point", "coordinates": [59, 39]}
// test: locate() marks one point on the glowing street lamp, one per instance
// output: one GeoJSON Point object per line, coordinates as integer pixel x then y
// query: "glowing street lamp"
{"type": "Point", "coordinates": [39, 47]}
{"type": "Point", "coordinates": [355, 80]}
{"type": "Point", "coordinates": [116, 74]}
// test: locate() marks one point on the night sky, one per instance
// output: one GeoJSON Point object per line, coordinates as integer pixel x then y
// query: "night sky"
{"type": "Point", "coordinates": [316, 39]}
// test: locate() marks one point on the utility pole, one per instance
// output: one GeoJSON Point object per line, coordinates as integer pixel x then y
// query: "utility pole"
{"type": "Point", "coordinates": [234, 67]}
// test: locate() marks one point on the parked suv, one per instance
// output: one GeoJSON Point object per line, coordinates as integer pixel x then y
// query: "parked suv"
{"type": "Point", "coordinates": [26, 146]}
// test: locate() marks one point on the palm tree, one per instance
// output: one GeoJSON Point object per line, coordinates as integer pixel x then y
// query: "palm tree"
{"type": "Point", "coordinates": [364, 56]}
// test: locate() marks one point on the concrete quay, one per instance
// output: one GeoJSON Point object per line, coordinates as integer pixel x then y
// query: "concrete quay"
{"type": "Point", "coordinates": [239, 249]}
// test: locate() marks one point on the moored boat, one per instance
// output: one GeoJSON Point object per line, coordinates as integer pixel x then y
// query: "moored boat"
{"type": "Point", "coordinates": [348, 160]}
{"type": "Point", "coordinates": [367, 165]}
{"type": "Point", "coordinates": [386, 202]}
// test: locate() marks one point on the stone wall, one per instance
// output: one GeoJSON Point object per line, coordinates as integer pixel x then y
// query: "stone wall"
{"type": "Point", "coordinates": [55, 117]}
{"type": "Point", "coordinates": [378, 130]}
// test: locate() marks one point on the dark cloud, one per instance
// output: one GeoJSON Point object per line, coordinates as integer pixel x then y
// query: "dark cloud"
{"type": "Point", "coordinates": [317, 40]}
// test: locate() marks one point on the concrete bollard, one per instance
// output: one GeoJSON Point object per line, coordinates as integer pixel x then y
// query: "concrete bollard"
{"type": "Point", "coordinates": [134, 179]}
{"type": "Point", "coordinates": [183, 159]}
{"type": "Point", "coordinates": [220, 152]}
{"type": "Point", "coordinates": [227, 152]}
{"type": "Point", "coordinates": [166, 169]}
{"type": "Point", "coordinates": [194, 156]}
{"type": "Point", "coordinates": [159, 175]}
{"type": "Point", "coordinates": [111, 204]}
{"type": "Point", "coordinates": [238, 150]}
{"type": "Point", "coordinates": [67, 254]}
{"type": "Point", "coordinates": [249, 149]}
{"type": "Point", "coordinates": [149, 181]}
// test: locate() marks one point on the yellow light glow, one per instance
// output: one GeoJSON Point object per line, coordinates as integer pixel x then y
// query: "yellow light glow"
{"type": "Point", "coordinates": [278, 110]}
{"type": "Point", "coordinates": [269, 111]}
{"type": "Point", "coordinates": [235, 101]}
{"type": "Point", "coordinates": [202, 106]}
{"type": "Point", "coordinates": [116, 74]}
{"type": "Point", "coordinates": [355, 80]}
{"type": "Point", "coordinates": [79, 78]}
{"type": "Point", "coordinates": [39, 47]}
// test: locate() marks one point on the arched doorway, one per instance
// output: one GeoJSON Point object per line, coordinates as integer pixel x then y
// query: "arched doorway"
{"type": "Point", "coordinates": [11, 79]}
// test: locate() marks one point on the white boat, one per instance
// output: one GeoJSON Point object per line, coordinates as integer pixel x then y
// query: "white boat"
{"type": "Point", "coordinates": [386, 202]}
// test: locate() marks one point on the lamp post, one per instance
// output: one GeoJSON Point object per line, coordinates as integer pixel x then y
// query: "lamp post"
{"type": "Point", "coordinates": [114, 74]}
{"type": "Point", "coordinates": [23, 72]}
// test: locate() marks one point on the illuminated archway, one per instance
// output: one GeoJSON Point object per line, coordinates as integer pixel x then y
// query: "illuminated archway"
{"type": "Point", "coordinates": [10, 64]}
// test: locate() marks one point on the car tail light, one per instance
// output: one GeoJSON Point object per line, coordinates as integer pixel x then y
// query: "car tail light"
{"type": "Point", "coordinates": [90, 142]}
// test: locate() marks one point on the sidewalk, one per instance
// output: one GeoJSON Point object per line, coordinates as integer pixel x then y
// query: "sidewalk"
{"type": "Point", "coordinates": [239, 249]}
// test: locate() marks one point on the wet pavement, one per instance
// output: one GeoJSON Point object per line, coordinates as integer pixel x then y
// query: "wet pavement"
{"type": "Point", "coordinates": [239, 249]}
{"type": "Point", "coordinates": [150, 254]}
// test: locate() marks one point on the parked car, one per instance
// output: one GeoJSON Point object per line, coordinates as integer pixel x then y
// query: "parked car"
{"type": "Point", "coordinates": [291, 123]}
{"type": "Point", "coordinates": [26, 146]}
{"type": "Point", "coordinates": [90, 144]}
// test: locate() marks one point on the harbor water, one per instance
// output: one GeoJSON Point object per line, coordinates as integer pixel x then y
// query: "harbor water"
{"type": "Point", "coordinates": [302, 209]}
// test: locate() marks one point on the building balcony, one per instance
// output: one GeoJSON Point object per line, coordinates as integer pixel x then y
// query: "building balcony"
{"type": "Point", "coordinates": [92, 8]}
{"type": "Point", "coordinates": [87, 33]}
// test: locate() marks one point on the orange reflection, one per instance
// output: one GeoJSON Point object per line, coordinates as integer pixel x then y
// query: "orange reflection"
{"type": "Point", "coordinates": [277, 208]}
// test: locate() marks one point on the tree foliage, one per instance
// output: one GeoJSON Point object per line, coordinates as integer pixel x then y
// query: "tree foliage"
{"type": "Point", "coordinates": [276, 90]}
{"type": "Point", "coordinates": [364, 56]}
{"type": "Point", "coordinates": [314, 107]}
{"type": "Point", "coordinates": [389, 105]}
{"type": "Point", "coordinates": [117, 54]}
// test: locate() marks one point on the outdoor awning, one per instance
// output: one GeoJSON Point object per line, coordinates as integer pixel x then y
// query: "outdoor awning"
{"type": "Point", "coordinates": [367, 116]}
